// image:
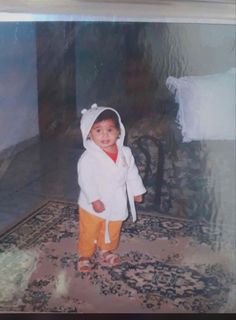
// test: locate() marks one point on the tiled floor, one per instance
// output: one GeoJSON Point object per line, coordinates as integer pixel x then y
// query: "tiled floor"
{"type": "Point", "coordinates": [45, 170]}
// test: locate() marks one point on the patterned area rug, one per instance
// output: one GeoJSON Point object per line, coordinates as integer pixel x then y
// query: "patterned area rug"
{"type": "Point", "coordinates": [167, 265]}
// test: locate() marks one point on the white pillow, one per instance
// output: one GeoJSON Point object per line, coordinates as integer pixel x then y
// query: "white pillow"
{"type": "Point", "coordinates": [206, 105]}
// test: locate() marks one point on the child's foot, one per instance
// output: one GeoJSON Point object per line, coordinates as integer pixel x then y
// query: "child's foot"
{"type": "Point", "coordinates": [109, 258]}
{"type": "Point", "coordinates": [85, 265]}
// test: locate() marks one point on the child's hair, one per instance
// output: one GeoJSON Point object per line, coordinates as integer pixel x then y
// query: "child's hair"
{"type": "Point", "coordinates": [107, 115]}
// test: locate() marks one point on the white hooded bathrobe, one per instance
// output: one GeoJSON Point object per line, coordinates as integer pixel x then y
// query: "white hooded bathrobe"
{"type": "Point", "coordinates": [100, 178]}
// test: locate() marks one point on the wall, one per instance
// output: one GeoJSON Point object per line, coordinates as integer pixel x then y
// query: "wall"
{"type": "Point", "coordinates": [188, 49]}
{"type": "Point", "coordinates": [126, 64]}
{"type": "Point", "coordinates": [56, 77]}
{"type": "Point", "coordinates": [100, 57]}
{"type": "Point", "coordinates": [18, 84]}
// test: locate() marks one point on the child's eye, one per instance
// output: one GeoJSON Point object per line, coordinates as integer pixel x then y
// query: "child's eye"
{"type": "Point", "coordinates": [98, 130]}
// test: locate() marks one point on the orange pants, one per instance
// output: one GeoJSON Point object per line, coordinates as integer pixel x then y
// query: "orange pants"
{"type": "Point", "coordinates": [92, 234]}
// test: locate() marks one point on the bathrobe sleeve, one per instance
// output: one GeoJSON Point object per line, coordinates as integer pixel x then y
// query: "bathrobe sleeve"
{"type": "Point", "coordinates": [134, 180]}
{"type": "Point", "coordinates": [86, 178]}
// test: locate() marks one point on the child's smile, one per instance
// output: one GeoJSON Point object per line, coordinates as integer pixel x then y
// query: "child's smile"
{"type": "Point", "coordinates": [105, 134]}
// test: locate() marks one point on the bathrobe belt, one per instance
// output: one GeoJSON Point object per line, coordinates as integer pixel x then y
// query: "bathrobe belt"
{"type": "Point", "coordinates": [133, 212]}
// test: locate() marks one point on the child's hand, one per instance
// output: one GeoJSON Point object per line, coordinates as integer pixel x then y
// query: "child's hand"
{"type": "Point", "coordinates": [98, 206]}
{"type": "Point", "coordinates": [138, 198]}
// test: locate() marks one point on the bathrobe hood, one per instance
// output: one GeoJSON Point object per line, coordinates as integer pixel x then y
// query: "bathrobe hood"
{"type": "Point", "coordinates": [88, 118]}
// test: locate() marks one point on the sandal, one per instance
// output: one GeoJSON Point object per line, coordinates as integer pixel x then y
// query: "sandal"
{"type": "Point", "coordinates": [85, 265]}
{"type": "Point", "coordinates": [109, 258]}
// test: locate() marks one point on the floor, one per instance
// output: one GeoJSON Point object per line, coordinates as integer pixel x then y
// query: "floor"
{"type": "Point", "coordinates": [167, 266]}
{"type": "Point", "coordinates": [45, 170]}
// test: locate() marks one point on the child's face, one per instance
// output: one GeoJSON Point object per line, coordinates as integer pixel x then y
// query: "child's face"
{"type": "Point", "coordinates": [104, 134]}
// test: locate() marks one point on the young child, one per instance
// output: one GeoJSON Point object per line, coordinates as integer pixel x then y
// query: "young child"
{"type": "Point", "coordinates": [107, 176]}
